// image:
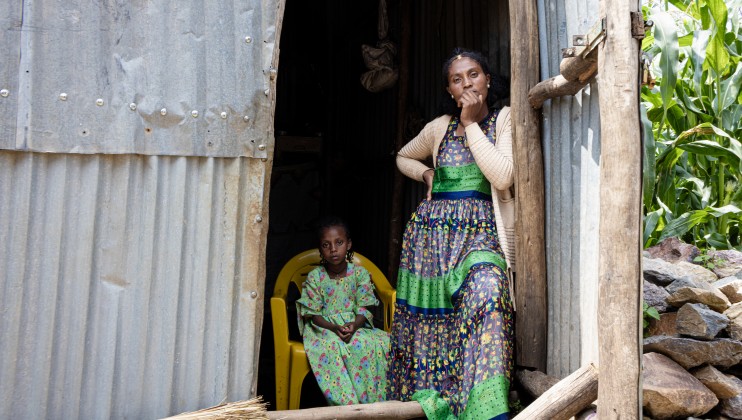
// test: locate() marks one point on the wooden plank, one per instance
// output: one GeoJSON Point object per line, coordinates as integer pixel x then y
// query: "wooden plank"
{"type": "Point", "coordinates": [565, 399]}
{"type": "Point", "coordinates": [387, 410]}
{"type": "Point", "coordinates": [619, 318]}
{"type": "Point", "coordinates": [530, 325]}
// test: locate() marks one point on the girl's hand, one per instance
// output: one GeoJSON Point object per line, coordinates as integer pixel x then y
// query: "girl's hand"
{"type": "Point", "coordinates": [428, 179]}
{"type": "Point", "coordinates": [471, 104]}
{"type": "Point", "coordinates": [342, 332]}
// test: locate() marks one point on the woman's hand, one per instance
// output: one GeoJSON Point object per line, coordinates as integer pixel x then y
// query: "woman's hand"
{"type": "Point", "coordinates": [428, 179]}
{"type": "Point", "coordinates": [473, 107]}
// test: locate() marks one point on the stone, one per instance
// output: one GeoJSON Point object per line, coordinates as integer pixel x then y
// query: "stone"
{"type": "Point", "coordinates": [687, 282]}
{"type": "Point", "coordinates": [697, 272]}
{"type": "Point", "coordinates": [734, 313]}
{"type": "Point", "coordinates": [689, 353]}
{"type": "Point", "coordinates": [727, 262]}
{"type": "Point", "coordinates": [655, 296]}
{"type": "Point", "coordinates": [732, 407]}
{"type": "Point", "coordinates": [666, 325]}
{"type": "Point", "coordinates": [714, 299]}
{"type": "Point", "coordinates": [731, 287]}
{"type": "Point", "coordinates": [698, 321]}
{"type": "Point", "coordinates": [661, 272]}
{"type": "Point", "coordinates": [670, 392]}
{"type": "Point", "coordinates": [674, 250]}
{"type": "Point", "coordinates": [719, 383]}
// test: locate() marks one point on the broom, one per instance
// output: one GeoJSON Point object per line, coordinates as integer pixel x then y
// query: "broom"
{"type": "Point", "coordinates": [253, 409]}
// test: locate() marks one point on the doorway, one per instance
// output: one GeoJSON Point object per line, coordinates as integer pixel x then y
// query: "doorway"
{"type": "Point", "coordinates": [335, 140]}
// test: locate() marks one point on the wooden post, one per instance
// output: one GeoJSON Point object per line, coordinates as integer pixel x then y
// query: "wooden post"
{"type": "Point", "coordinates": [395, 221]}
{"type": "Point", "coordinates": [619, 317]}
{"type": "Point", "coordinates": [530, 248]}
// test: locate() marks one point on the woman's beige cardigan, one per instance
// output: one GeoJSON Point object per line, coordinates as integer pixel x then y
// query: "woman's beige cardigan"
{"type": "Point", "coordinates": [495, 162]}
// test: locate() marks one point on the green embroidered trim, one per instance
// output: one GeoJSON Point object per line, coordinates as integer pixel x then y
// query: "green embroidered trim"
{"type": "Point", "coordinates": [474, 257]}
{"type": "Point", "coordinates": [460, 178]}
{"type": "Point", "coordinates": [487, 399]}
{"type": "Point", "coordinates": [436, 292]}
{"type": "Point", "coordinates": [426, 293]}
{"type": "Point", "coordinates": [434, 406]}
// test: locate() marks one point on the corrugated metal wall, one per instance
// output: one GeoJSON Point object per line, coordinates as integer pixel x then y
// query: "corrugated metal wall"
{"type": "Point", "coordinates": [131, 286]}
{"type": "Point", "coordinates": [571, 144]}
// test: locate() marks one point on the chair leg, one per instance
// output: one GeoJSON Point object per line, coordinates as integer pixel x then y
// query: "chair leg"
{"type": "Point", "coordinates": [282, 381]}
{"type": "Point", "coordinates": [299, 370]}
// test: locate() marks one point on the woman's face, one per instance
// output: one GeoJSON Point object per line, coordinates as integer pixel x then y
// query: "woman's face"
{"type": "Point", "coordinates": [464, 75]}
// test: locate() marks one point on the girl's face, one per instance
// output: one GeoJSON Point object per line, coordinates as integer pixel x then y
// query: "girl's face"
{"type": "Point", "coordinates": [465, 75]}
{"type": "Point", "coordinates": [334, 245]}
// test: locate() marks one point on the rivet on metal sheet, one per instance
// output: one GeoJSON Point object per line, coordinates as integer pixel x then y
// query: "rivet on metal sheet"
{"type": "Point", "coordinates": [133, 106]}
{"type": "Point", "coordinates": [194, 113]}
{"type": "Point", "coordinates": [248, 39]}
{"type": "Point", "coordinates": [223, 115]}
{"type": "Point", "coordinates": [4, 93]}
{"type": "Point", "coordinates": [245, 118]}
{"type": "Point", "coordinates": [261, 147]}
{"type": "Point", "coordinates": [99, 102]}
{"type": "Point", "coordinates": [254, 294]}
{"type": "Point", "coordinates": [258, 219]}
{"type": "Point", "coordinates": [62, 96]}
{"type": "Point", "coordinates": [163, 111]}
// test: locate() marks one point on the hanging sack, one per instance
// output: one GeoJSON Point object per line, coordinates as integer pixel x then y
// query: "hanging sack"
{"type": "Point", "coordinates": [379, 60]}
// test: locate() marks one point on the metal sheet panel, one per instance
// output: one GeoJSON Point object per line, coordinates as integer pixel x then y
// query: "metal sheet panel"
{"type": "Point", "coordinates": [187, 78]}
{"type": "Point", "coordinates": [571, 141]}
{"type": "Point", "coordinates": [10, 35]}
{"type": "Point", "coordinates": [130, 286]}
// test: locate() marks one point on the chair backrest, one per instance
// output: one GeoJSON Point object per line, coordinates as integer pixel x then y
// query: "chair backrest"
{"type": "Point", "coordinates": [296, 270]}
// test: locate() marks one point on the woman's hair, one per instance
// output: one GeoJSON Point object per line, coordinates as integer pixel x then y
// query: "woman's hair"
{"type": "Point", "coordinates": [334, 221]}
{"type": "Point", "coordinates": [498, 85]}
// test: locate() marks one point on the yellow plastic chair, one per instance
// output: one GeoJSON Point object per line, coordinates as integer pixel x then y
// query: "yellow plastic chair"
{"type": "Point", "coordinates": [292, 364]}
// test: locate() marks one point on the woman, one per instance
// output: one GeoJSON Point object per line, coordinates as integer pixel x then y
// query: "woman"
{"type": "Point", "coordinates": [452, 337]}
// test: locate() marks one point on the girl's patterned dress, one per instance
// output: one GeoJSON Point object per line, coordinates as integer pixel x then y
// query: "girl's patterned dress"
{"type": "Point", "coordinates": [452, 333]}
{"type": "Point", "coordinates": [347, 373]}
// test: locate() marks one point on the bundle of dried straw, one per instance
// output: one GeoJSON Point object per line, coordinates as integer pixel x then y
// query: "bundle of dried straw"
{"type": "Point", "coordinates": [254, 409]}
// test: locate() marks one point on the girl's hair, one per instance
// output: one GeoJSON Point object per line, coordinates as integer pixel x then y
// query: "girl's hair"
{"type": "Point", "coordinates": [334, 221]}
{"type": "Point", "coordinates": [498, 85]}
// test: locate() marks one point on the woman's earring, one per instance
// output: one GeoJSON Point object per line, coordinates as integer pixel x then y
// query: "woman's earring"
{"type": "Point", "coordinates": [488, 85]}
{"type": "Point", "coordinates": [451, 96]}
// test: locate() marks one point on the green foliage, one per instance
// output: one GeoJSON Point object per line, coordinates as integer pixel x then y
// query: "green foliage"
{"type": "Point", "coordinates": [515, 407]}
{"type": "Point", "coordinates": [647, 313]}
{"type": "Point", "coordinates": [692, 123]}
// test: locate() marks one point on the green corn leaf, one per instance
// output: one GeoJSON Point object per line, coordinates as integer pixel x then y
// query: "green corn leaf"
{"type": "Point", "coordinates": [666, 38]}
{"type": "Point", "coordinates": [717, 240]}
{"type": "Point", "coordinates": [685, 40]}
{"type": "Point", "coordinates": [698, 58]}
{"type": "Point", "coordinates": [684, 223]}
{"type": "Point", "coordinates": [721, 211]}
{"type": "Point", "coordinates": [650, 224]}
{"type": "Point", "coordinates": [712, 148]}
{"type": "Point", "coordinates": [730, 88]}
{"type": "Point", "coordinates": [732, 119]}
{"type": "Point", "coordinates": [647, 158]}
{"type": "Point", "coordinates": [717, 55]}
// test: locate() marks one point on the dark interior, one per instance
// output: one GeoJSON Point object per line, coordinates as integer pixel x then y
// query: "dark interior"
{"type": "Point", "coordinates": [335, 140]}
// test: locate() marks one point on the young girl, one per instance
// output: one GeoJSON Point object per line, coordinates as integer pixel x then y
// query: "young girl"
{"type": "Point", "coordinates": [347, 354]}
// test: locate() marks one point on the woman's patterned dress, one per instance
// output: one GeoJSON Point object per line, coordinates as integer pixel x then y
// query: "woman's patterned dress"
{"type": "Point", "coordinates": [347, 373]}
{"type": "Point", "coordinates": [452, 335]}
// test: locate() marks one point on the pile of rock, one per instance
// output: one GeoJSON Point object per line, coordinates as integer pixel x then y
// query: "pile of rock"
{"type": "Point", "coordinates": [692, 353]}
